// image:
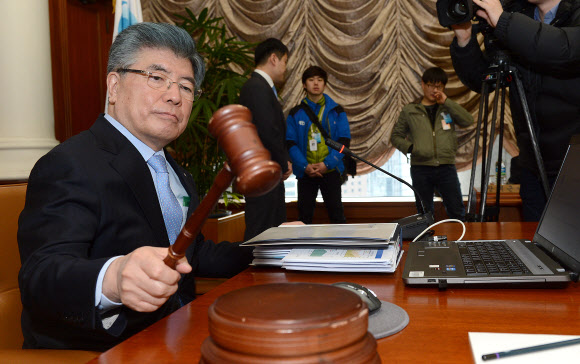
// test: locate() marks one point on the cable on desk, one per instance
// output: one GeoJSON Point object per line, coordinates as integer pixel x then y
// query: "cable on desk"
{"type": "Point", "coordinates": [439, 222]}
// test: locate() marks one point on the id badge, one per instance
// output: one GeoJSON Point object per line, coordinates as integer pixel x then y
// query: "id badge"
{"type": "Point", "coordinates": [316, 136]}
{"type": "Point", "coordinates": [446, 121]}
{"type": "Point", "coordinates": [313, 145]}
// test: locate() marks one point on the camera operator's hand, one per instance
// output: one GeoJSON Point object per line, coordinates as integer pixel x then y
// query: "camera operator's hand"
{"type": "Point", "coordinates": [490, 10]}
{"type": "Point", "coordinates": [462, 33]}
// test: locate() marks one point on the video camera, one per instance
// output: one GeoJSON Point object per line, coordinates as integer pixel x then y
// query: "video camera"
{"type": "Point", "coordinates": [451, 12]}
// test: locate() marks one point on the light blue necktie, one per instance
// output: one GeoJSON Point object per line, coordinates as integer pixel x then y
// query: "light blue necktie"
{"type": "Point", "coordinates": [275, 92]}
{"type": "Point", "coordinates": [169, 205]}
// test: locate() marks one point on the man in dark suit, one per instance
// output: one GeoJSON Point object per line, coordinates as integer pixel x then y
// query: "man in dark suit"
{"type": "Point", "coordinates": [260, 96]}
{"type": "Point", "coordinates": [100, 215]}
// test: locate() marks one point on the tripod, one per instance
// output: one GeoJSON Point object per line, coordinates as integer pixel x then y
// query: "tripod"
{"type": "Point", "coordinates": [502, 74]}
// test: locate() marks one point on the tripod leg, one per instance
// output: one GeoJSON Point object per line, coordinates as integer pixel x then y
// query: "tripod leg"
{"type": "Point", "coordinates": [493, 211]}
{"type": "Point", "coordinates": [526, 109]}
{"type": "Point", "coordinates": [482, 109]}
{"type": "Point", "coordinates": [490, 148]}
{"type": "Point", "coordinates": [484, 143]}
{"type": "Point", "coordinates": [500, 152]}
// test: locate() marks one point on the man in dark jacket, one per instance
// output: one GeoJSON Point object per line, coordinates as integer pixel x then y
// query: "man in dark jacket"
{"type": "Point", "coordinates": [426, 129]}
{"type": "Point", "coordinates": [103, 207]}
{"type": "Point", "coordinates": [315, 165]}
{"type": "Point", "coordinates": [260, 96]}
{"type": "Point", "coordinates": [542, 38]}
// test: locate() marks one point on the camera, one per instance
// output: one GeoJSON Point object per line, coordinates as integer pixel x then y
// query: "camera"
{"type": "Point", "coordinates": [450, 12]}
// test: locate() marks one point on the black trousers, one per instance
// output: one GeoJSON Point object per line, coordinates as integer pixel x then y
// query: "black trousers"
{"type": "Point", "coordinates": [443, 178]}
{"type": "Point", "coordinates": [329, 185]}
{"type": "Point", "coordinates": [264, 212]}
{"type": "Point", "coordinates": [533, 195]}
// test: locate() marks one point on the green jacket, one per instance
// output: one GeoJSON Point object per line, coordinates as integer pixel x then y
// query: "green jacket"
{"type": "Point", "coordinates": [432, 146]}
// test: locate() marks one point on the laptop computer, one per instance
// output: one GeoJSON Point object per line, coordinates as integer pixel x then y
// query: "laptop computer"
{"type": "Point", "coordinates": [552, 256]}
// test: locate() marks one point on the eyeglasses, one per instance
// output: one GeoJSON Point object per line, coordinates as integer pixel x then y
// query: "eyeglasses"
{"type": "Point", "coordinates": [159, 81]}
{"type": "Point", "coordinates": [438, 86]}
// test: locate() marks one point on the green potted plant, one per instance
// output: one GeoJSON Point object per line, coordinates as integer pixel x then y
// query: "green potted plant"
{"type": "Point", "coordinates": [228, 62]}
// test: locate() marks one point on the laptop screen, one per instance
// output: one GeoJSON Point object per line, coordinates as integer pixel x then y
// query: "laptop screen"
{"type": "Point", "coordinates": [559, 228]}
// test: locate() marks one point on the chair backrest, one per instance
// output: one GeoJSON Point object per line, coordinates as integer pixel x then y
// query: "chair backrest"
{"type": "Point", "coordinates": [11, 204]}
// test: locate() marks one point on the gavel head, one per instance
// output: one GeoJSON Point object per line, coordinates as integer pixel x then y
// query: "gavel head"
{"type": "Point", "coordinates": [256, 174]}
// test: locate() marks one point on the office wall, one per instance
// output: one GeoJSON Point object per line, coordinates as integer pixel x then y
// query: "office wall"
{"type": "Point", "coordinates": [26, 109]}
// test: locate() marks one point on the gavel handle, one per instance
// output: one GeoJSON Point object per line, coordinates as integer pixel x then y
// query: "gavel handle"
{"type": "Point", "coordinates": [193, 225]}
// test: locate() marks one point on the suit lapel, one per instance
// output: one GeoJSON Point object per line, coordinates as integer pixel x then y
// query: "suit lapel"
{"type": "Point", "coordinates": [273, 100]}
{"type": "Point", "coordinates": [129, 164]}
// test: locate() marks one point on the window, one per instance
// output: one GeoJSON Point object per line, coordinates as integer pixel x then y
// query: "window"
{"type": "Point", "coordinates": [374, 184]}
{"type": "Point", "coordinates": [378, 184]}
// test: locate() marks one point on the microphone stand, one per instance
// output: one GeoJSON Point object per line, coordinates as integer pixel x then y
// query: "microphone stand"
{"type": "Point", "coordinates": [411, 225]}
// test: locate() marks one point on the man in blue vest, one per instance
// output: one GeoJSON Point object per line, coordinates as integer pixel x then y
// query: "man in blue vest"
{"type": "Point", "coordinates": [316, 166]}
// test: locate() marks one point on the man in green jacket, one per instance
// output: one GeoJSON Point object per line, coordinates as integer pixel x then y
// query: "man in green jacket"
{"type": "Point", "coordinates": [426, 129]}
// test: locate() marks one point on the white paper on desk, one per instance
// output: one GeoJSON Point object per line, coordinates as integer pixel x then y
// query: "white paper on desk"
{"type": "Point", "coordinates": [487, 343]}
{"type": "Point", "coordinates": [269, 257]}
{"type": "Point", "coordinates": [260, 252]}
{"type": "Point", "coordinates": [343, 260]}
{"type": "Point", "coordinates": [334, 267]}
{"type": "Point", "coordinates": [351, 256]}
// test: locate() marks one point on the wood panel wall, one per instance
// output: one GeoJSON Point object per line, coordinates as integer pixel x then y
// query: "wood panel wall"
{"type": "Point", "coordinates": [80, 35]}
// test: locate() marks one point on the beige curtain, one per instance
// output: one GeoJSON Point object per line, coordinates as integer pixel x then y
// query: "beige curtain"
{"type": "Point", "coordinates": [374, 51]}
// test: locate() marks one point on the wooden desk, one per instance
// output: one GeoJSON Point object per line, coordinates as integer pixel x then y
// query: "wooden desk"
{"type": "Point", "coordinates": [229, 228]}
{"type": "Point", "coordinates": [439, 321]}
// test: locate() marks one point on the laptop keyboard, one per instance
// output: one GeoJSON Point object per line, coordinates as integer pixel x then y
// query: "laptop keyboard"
{"type": "Point", "coordinates": [490, 258]}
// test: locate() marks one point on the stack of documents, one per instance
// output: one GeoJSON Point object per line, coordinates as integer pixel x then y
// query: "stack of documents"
{"type": "Point", "coordinates": [337, 248]}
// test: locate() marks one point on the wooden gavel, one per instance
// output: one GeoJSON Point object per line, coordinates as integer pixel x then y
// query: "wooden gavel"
{"type": "Point", "coordinates": [247, 159]}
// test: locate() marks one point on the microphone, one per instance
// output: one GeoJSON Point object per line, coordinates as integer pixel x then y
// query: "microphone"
{"type": "Point", "coordinates": [412, 225]}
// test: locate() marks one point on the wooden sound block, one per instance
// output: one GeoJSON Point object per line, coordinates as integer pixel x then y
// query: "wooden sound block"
{"type": "Point", "coordinates": [289, 323]}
